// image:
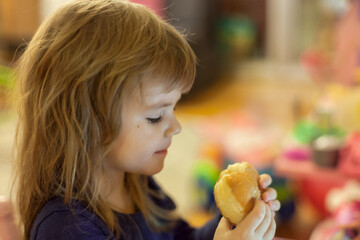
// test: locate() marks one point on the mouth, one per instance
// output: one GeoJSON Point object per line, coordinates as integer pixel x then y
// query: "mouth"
{"type": "Point", "coordinates": [162, 151]}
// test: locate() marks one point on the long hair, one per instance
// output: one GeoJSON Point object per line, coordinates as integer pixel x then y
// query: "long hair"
{"type": "Point", "coordinates": [72, 79]}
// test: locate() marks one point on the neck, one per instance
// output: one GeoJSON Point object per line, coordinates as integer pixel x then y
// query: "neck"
{"type": "Point", "coordinates": [115, 192]}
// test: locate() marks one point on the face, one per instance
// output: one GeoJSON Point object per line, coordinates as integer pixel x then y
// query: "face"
{"type": "Point", "coordinates": [148, 125]}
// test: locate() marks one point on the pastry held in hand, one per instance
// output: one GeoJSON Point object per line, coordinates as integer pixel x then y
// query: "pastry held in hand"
{"type": "Point", "coordinates": [236, 190]}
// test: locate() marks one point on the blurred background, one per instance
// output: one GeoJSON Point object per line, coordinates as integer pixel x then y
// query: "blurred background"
{"type": "Point", "coordinates": [277, 86]}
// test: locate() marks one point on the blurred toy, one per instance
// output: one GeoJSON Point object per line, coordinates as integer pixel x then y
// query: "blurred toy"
{"type": "Point", "coordinates": [317, 64]}
{"type": "Point", "coordinates": [236, 37]}
{"type": "Point", "coordinates": [306, 131]}
{"type": "Point", "coordinates": [347, 212]}
{"type": "Point", "coordinates": [5, 77]}
{"type": "Point", "coordinates": [344, 204]}
{"type": "Point", "coordinates": [6, 83]}
{"type": "Point", "coordinates": [206, 174]}
{"type": "Point", "coordinates": [350, 156]}
{"type": "Point", "coordinates": [240, 137]}
{"type": "Point", "coordinates": [348, 193]}
{"type": "Point", "coordinates": [325, 150]}
{"type": "Point", "coordinates": [297, 154]}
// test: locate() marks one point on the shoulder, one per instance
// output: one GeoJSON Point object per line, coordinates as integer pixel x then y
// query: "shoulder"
{"type": "Point", "coordinates": [57, 220]}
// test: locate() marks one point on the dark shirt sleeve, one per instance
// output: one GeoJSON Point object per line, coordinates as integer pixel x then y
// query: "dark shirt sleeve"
{"type": "Point", "coordinates": [64, 224]}
{"type": "Point", "coordinates": [184, 231]}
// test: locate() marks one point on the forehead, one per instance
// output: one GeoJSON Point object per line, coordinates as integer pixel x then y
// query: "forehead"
{"type": "Point", "coordinates": [153, 92]}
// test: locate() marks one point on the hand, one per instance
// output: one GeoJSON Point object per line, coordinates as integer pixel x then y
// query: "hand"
{"type": "Point", "coordinates": [259, 224]}
{"type": "Point", "coordinates": [269, 194]}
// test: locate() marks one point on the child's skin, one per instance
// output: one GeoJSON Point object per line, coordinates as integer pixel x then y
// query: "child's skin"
{"type": "Point", "coordinates": [149, 123]}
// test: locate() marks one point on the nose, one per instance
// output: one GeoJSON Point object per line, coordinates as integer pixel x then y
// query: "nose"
{"type": "Point", "coordinates": [173, 128]}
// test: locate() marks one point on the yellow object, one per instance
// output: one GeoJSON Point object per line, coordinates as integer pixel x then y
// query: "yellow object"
{"type": "Point", "coordinates": [236, 191]}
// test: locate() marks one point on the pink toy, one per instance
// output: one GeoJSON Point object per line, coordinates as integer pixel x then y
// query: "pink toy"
{"type": "Point", "coordinates": [317, 64]}
{"type": "Point", "coordinates": [344, 204]}
{"type": "Point", "coordinates": [347, 213]}
{"type": "Point", "coordinates": [350, 157]}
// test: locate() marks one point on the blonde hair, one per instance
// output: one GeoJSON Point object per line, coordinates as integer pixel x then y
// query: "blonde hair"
{"type": "Point", "coordinates": [73, 77]}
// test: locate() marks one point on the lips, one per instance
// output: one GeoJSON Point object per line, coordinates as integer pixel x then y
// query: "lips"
{"type": "Point", "coordinates": [164, 150]}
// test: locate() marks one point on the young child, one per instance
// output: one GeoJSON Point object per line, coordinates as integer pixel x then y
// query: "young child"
{"type": "Point", "coordinates": [99, 83]}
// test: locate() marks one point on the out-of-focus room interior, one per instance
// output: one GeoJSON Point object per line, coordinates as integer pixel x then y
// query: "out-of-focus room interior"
{"type": "Point", "coordinates": [277, 85]}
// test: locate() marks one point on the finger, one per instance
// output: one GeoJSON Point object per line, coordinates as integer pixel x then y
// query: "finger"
{"type": "Point", "coordinates": [223, 226]}
{"type": "Point", "coordinates": [255, 217]}
{"type": "Point", "coordinates": [274, 205]}
{"type": "Point", "coordinates": [265, 180]}
{"type": "Point", "coordinates": [265, 223]}
{"type": "Point", "coordinates": [270, 233]}
{"type": "Point", "coordinates": [269, 194]}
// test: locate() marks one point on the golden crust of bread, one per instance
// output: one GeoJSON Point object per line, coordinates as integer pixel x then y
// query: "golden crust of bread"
{"type": "Point", "coordinates": [236, 190]}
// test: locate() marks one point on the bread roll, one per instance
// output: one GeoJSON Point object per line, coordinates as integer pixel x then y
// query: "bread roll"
{"type": "Point", "coordinates": [236, 190]}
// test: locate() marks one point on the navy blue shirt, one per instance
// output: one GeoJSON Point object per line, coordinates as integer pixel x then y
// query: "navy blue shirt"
{"type": "Point", "coordinates": [59, 221]}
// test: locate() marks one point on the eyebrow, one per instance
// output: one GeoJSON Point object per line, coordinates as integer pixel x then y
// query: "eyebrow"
{"type": "Point", "coordinates": [158, 105]}
{"type": "Point", "coordinates": [162, 105]}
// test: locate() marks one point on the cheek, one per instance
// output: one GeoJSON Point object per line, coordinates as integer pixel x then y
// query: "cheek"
{"type": "Point", "coordinates": [136, 140]}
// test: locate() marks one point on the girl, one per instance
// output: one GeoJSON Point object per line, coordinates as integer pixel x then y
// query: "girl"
{"type": "Point", "coordinates": [99, 82]}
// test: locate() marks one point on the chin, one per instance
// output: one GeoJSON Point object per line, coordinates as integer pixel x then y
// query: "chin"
{"type": "Point", "coordinates": [153, 166]}
{"type": "Point", "coordinates": [154, 169]}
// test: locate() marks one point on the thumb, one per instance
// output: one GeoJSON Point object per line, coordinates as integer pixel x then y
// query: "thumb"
{"type": "Point", "coordinates": [223, 226]}
{"type": "Point", "coordinates": [255, 216]}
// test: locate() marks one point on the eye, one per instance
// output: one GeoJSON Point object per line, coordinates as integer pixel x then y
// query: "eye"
{"type": "Point", "coordinates": [154, 120]}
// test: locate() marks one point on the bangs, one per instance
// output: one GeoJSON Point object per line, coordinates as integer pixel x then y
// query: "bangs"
{"type": "Point", "coordinates": [167, 55]}
{"type": "Point", "coordinates": [175, 75]}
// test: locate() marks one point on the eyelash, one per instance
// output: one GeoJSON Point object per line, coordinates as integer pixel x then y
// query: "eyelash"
{"type": "Point", "coordinates": [154, 120]}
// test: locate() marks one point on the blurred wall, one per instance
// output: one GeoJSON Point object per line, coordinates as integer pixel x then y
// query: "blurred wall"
{"type": "Point", "coordinates": [283, 21]}
{"type": "Point", "coordinates": [49, 6]}
{"type": "Point", "coordinates": [18, 18]}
